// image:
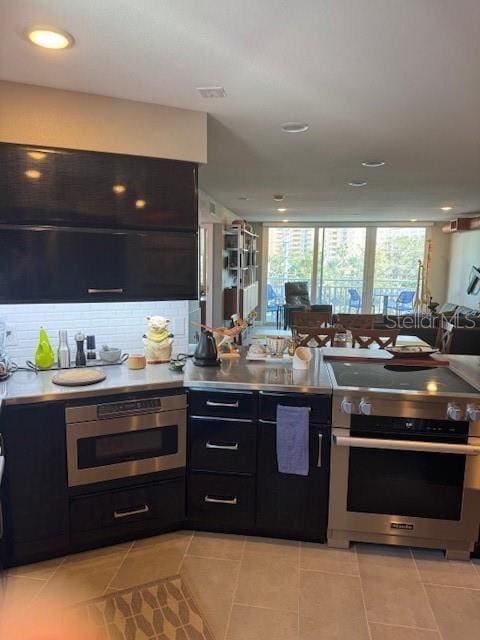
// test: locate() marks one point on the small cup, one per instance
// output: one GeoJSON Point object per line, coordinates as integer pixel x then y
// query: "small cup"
{"type": "Point", "coordinates": [136, 361]}
{"type": "Point", "coordinates": [302, 357]}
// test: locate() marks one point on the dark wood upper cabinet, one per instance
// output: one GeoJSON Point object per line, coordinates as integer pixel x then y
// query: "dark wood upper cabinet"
{"type": "Point", "coordinates": [65, 187]}
{"type": "Point", "coordinates": [81, 226]}
{"type": "Point", "coordinates": [67, 265]}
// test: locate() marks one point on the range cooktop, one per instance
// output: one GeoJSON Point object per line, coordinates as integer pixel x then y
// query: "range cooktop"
{"type": "Point", "coordinates": [398, 378]}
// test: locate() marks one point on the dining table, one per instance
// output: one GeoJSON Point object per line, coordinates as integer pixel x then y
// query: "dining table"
{"type": "Point", "coordinates": [374, 351]}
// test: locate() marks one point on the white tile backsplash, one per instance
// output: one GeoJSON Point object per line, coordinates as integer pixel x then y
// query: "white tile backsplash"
{"type": "Point", "coordinates": [118, 324]}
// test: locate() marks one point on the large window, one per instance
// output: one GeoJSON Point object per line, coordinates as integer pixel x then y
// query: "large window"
{"type": "Point", "coordinates": [397, 253]}
{"type": "Point", "coordinates": [290, 259]}
{"type": "Point", "coordinates": [334, 261]}
{"type": "Point", "coordinates": [341, 259]}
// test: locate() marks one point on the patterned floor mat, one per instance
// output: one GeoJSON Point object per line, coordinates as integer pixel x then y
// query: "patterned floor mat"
{"type": "Point", "coordinates": [162, 610]}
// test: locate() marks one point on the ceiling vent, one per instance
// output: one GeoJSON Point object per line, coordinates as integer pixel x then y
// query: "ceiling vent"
{"type": "Point", "coordinates": [212, 92]}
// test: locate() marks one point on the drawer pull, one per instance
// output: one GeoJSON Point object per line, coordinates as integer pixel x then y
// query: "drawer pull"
{"type": "Point", "coordinates": [219, 500]}
{"type": "Point", "coordinates": [121, 513]}
{"type": "Point", "coordinates": [227, 447]}
{"type": "Point", "coordinates": [105, 290]}
{"type": "Point", "coordinates": [231, 405]}
{"type": "Point", "coordinates": [320, 441]}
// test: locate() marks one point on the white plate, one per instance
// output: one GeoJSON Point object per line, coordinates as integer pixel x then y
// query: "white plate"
{"type": "Point", "coordinates": [268, 358]}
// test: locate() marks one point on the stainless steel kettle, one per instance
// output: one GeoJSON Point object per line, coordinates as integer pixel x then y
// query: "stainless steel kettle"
{"type": "Point", "coordinates": [206, 354]}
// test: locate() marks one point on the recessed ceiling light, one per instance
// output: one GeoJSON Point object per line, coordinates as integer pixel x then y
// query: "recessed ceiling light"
{"type": "Point", "coordinates": [279, 197]}
{"type": "Point", "coordinates": [447, 208]}
{"type": "Point", "coordinates": [284, 220]}
{"type": "Point", "coordinates": [49, 38]}
{"type": "Point", "coordinates": [295, 127]}
{"type": "Point", "coordinates": [36, 155]}
{"type": "Point", "coordinates": [33, 174]}
{"type": "Point", "coordinates": [413, 219]}
{"type": "Point", "coordinates": [242, 198]}
{"type": "Point", "coordinates": [373, 163]}
{"type": "Point", "coordinates": [140, 204]}
{"type": "Point", "coordinates": [119, 188]}
{"type": "Point", "coordinates": [358, 183]}
{"type": "Point", "coordinates": [281, 210]}
{"type": "Point", "coordinates": [212, 92]}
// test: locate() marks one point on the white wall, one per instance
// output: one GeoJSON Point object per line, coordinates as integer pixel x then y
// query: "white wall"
{"type": "Point", "coordinates": [206, 203]}
{"type": "Point", "coordinates": [464, 253]}
{"type": "Point", "coordinates": [118, 324]}
{"type": "Point", "coordinates": [440, 262]}
{"type": "Point", "coordinates": [57, 118]}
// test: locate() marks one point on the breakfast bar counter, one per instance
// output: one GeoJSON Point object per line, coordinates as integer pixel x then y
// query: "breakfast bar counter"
{"type": "Point", "coordinates": [253, 375]}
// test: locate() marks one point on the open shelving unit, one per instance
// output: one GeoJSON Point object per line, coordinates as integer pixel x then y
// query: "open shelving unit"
{"type": "Point", "coordinates": [240, 272]}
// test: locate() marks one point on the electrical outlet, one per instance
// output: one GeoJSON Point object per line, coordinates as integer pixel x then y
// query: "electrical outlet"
{"type": "Point", "coordinates": [12, 340]}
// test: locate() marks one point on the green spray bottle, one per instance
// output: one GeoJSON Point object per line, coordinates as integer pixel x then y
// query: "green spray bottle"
{"type": "Point", "coordinates": [44, 356]}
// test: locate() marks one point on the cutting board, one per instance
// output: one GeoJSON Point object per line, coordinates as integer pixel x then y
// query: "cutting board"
{"type": "Point", "coordinates": [348, 353]}
{"type": "Point", "coordinates": [78, 377]}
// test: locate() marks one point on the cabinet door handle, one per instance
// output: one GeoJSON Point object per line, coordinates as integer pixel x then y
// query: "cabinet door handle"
{"type": "Point", "coordinates": [124, 514]}
{"type": "Point", "coordinates": [219, 500]}
{"type": "Point", "coordinates": [227, 447]}
{"type": "Point", "coordinates": [105, 290]}
{"type": "Point", "coordinates": [232, 405]}
{"type": "Point", "coordinates": [320, 442]}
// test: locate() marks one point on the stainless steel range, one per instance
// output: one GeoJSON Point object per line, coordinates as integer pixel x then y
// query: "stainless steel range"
{"type": "Point", "coordinates": [405, 457]}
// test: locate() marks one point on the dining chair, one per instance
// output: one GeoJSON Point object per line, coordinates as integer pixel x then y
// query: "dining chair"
{"type": "Point", "coordinates": [314, 336]}
{"type": "Point", "coordinates": [356, 320]}
{"type": "Point", "coordinates": [444, 338]}
{"type": "Point", "coordinates": [365, 338]}
{"type": "Point", "coordinates": [355, 301]}
{"type": "Point", "coordinates": [404, 302]}
{"type": "Point", "coordinates": [314, 319]}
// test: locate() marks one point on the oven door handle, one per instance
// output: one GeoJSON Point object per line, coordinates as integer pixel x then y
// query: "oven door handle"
{"type": "Point", "coordinates": [406, 445]}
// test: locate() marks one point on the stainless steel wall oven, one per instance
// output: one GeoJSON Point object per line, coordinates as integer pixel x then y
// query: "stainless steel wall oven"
{"type": "Point", "coordinates": [115, 440]}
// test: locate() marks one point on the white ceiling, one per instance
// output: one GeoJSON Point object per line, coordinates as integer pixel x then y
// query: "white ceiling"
{"type": "Point", "coordinates": [397, 80]}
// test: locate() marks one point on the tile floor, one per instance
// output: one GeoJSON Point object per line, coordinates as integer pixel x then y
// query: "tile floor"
{"type": "Point", "coordinates": [262, 589]}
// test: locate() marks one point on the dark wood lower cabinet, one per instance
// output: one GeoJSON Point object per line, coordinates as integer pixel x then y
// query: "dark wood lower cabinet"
{"type": "Point", "coordinates": [291, 505]}
{"type": "Point", "coordinates": [237, 491]}
{"type": "Point", "coordinates": [127, 513]}
{"type": "Point", "coordinates": [232, 483]}
{"type": "Point", "coordinates": [221, 502]}
{"type": "Point", "coordinates": [35, 497]}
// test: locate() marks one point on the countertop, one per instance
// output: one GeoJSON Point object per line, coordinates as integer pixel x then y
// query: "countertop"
{"type": "Point", "coordinates": [25, 387]}
{"type": "Point", "coordinates": [252, 375]}
{"type": "Point", "coordinates": [467, 367]}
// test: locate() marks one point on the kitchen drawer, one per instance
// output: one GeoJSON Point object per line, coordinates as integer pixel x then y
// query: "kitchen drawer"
{"type": "Point", "coordinates": [162, 504]}
{"type": "Point", "coordinates": [223, 404]}
{"type": "Point", "coordinates": [320, 405]}
{"type": "Point", "coordinates": [221, 502]}
{"type": "Point", "coordinates": [222, 445]}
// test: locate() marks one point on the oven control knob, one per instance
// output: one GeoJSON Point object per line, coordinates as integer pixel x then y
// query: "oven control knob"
{"type": "Point", "coordinates": [473, 412]}
{"type": "Point", "coordinates": [346, 406]}
{"type": "Point", "coordinates": [454, 412]}
{"type": "Point", "coordinates": [365, 407]}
